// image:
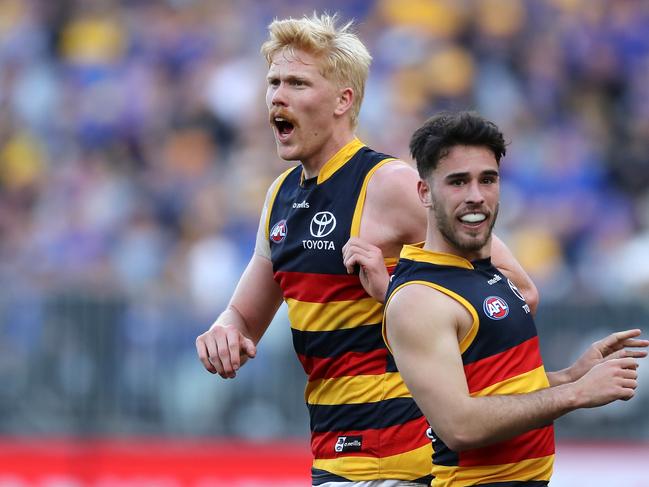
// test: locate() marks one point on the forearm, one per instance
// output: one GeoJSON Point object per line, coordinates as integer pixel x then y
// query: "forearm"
{"type": "Point", "coordinates": [480, 421]}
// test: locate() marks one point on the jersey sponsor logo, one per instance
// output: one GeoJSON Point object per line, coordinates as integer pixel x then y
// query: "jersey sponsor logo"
{"type": "Point", "coordinates": [318, 245]}
{"type": "Point", "coordinates": [348, 443]}
{"type": "Point", "coordinates": [494, 280]}
{"type": "Point", "coordinates": [515, 290]}
{"type": "Point", "coordinates": [430, 435]}
{"type": "Point", "coordinates": [303, 204]}
{"type": "Point", "coordinates": [322, 224]}
{"type": "Point", "coordinates": [495, 307]}
{"type": "Point", "coordinates": [278, 232]}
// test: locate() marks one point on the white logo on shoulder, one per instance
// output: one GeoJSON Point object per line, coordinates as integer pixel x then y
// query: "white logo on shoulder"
{"type": "Point", "coordinates": [494, 280]}
{"type": "Point", "coordinates": [303, 204]}
{"type": "Point", "coordinates": [322, 224]}
{"type": "Point", "coordinates": [515, 290]}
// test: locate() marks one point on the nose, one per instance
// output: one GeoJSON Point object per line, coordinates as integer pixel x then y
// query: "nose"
{"type": "Point", "coordinates": [278, 95]}
{"type": "Point", "coordinates": [474, 193]}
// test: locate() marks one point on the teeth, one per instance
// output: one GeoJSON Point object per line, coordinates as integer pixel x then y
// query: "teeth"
{"type": "Point", "coordinates": [473, 217]}
{"type": "Point", "coordinates": [280, 119]}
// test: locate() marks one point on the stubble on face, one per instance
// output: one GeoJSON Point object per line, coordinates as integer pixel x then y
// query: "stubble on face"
{"type": "Point", "coordinates": [463, 243]}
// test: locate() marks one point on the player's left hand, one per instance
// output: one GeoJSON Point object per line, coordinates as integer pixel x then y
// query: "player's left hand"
{"type": "Point", "coordinates": [621, 344]}
{"type": "Point", "coordinates": [368, 259]}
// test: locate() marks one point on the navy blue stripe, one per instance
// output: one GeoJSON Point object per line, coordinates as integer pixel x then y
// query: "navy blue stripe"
{"type": "Point", "coordinates": [391, 365]}
{"type": "Point", "coordinates": [319, 477]}
{"type": "Point", "coordinates": [345, 417]}
{"type": "Point", "coordinates": [487, 343]}
{"type": "Point", "coordinates": [334, 343]}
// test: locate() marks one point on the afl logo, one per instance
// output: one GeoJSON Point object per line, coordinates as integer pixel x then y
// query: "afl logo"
{"type": "Point", "coordinates": [495, 308]}
{"type": "Point", "coordinates": [278, 232]}
{"type": "Point", "coordinates": [322, 224]}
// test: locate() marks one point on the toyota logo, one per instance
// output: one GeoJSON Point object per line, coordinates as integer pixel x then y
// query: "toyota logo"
{"type": "Point", "coordinates": [322, 224]}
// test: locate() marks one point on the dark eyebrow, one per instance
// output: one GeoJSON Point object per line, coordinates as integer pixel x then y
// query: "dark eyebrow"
{"type": "Point", "coordinates": [456, 175]}
{"type": "Point", "coordinates": [464, 175]}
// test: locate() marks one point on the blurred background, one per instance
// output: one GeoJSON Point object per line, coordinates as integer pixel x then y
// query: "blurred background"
{"type": "Point", "coordinates": [135, 154]}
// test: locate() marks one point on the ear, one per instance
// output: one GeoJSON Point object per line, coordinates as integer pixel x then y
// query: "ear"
{"type": "Point", "coordinates": [423, 190]}
{"type": "Point", "coordinates": [344, 101]}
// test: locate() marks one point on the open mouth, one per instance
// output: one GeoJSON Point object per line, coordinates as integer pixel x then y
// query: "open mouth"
{"type": "Point", "coordinates": [283, 126]}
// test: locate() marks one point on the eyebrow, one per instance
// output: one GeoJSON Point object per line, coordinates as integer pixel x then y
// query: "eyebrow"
{"type": "Point", "coordinates": [459, 175]}
{"type": "Point", "coordinates": [288, 77]}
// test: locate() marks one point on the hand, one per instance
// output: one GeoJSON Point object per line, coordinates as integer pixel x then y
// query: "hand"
{"type": "Point", "coordinates": [606, 382]}
{"type": "Point", "coordinates": [224, 349]}
{"type": "Point", "coordinates": [369, 259]}
{"type": "Point", "coordinates": [611, 347]}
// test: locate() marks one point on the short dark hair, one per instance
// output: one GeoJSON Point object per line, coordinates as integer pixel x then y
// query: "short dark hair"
{"type": "Point", "coordinates": [435, 138]}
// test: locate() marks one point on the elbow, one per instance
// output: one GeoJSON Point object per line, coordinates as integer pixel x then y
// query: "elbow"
{"type": "Point", "coordinates": [463, 437]}
{"type": "Point", "coordinates": [458, 442]}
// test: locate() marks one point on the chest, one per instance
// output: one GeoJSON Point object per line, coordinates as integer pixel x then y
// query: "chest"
{"type": "Point", "coordinates": [309, 225]}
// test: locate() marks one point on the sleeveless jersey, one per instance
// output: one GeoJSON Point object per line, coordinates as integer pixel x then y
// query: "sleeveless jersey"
{"type": "Point", "coordinates": [364, 423]}
{"type": "Point", "coordinates": [500, 355]}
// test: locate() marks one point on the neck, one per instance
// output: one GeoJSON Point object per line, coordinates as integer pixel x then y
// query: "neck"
{"type": "Point", "coordinates": [314, 163]}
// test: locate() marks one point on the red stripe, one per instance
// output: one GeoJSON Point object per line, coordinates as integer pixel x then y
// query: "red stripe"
{"type": "Point", "coordinates": [516, 361]}
{"type": "Point", "coordinates": [320, 288]}
{"type": "Point", "coordinates": [533, 444]}
{"type": "Point", "coordinates": [376, 442]}
{"type": "Point", "coordinates": [348, 364]}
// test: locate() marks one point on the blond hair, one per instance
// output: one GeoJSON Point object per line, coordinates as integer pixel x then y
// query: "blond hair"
{"type": "Point", "coordinates": [344, 59]}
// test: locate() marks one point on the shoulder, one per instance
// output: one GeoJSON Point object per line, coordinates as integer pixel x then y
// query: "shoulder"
{"type": "Point", "coordinates": [394, 176]}
{"type": "Point", "coordinates": [413, 298]}
{"type": "Point", "coordinates": [416, 310]}
{"type": "Point", "coordinates": [392, 205]}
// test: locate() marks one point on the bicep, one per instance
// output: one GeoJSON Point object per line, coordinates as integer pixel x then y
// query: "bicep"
{"type": "Point", "coordinates": [257, 296]}
{"type": "Point", "coordinates": [392, 201]}
{"type": "Point", "coordinates": [422, 329]}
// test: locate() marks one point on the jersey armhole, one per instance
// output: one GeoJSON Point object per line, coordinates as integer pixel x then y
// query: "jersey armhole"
{"type": "Point", "coordinates": [360, 203]}
{"type": "Point", "coordinates": [271, 200]}
{"type": "Point", "coordinates": [466, 341]}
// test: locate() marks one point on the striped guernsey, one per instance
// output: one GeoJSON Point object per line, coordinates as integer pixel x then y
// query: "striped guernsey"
{"type": "Point", "coordinates": [364, 422]}
{"type": "Point", "coordinates": [500, 355]}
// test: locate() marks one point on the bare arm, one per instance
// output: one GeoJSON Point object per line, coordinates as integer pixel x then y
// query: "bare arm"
{"type": "Point", "coordinates": [504, 260]}
{"type": "Point", "coordinates": [232, 339]}
{"type": "Point", "coordinates": [392, 217]}
{"type": "Point", "coordinates": [424, 328]}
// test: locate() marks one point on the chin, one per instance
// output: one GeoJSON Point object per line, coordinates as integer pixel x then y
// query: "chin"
{"type": "Point", "coordinates": [288, 153]}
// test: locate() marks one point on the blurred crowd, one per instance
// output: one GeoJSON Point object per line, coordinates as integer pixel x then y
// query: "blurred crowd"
{"type": "Point", "coordinates": [135, 150]}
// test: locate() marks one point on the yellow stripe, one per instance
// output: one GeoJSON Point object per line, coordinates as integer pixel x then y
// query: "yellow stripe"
{"type": "Point", "coordinates": [521, 384]}
{"type": "Point", "coordinates": [360, 202]}
{"type": "Point", "coordinates": [532, 469]}
{"type": "Point", "coordinates": [339, 159]}
{"type": "Point", "coordinates": [471, 334]}
{"type": "Point", "coordinates": [337, 315]}
{"type": "Point", "coordinates": [269, 208]}
{"type": "Point", "coordinates": [404, 466]}
{"type": "Point", "coordinates": [417, 253]}
{"type": "Point", "coordinates": [389, 261]}
{"type": "Point", "coordinates": [359, 389]}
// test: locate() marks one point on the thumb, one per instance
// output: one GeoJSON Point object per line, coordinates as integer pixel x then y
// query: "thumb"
{"type": "Point", "coordinates": [249, 347]}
